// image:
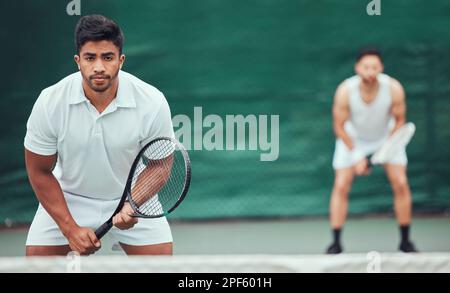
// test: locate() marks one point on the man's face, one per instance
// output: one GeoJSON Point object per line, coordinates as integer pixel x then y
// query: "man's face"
{"type": "Point", "coordinates": [99, 63]}
{"type": "Point", "coordinates": [368, 67]}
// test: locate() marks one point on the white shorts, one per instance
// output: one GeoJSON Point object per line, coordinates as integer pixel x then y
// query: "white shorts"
{"type": "Point", "coordinates": [91, 213]}
{"type": "Point", "coordinates": [343, 156]}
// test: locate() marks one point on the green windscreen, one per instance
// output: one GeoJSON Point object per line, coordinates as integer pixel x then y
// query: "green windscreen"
{"type": "Point", "coordinates": [256, 57]}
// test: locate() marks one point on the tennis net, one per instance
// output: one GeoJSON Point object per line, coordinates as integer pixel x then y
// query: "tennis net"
{"type": "Point", "coordinates": [371, 262]}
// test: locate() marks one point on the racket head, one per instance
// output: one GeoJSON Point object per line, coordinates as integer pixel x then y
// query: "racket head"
{"type": "Point", "coordinates": [159, 178]}
{"type": "Point", "coordinates": [400, 139]}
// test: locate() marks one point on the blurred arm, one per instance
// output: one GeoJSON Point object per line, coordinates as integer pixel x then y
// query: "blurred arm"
{"type": "Point", "coordinates": [398, 109]}
{"type": "Point", "coordinates": [341, 113]}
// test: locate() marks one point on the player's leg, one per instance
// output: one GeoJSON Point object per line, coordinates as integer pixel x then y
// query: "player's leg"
{"type": "Point", "coordinates": [45, 237]}
{"type": "Point", "coordinates": [402, 202]}
{"type": "Point", "coordinates": [147, 237]}
{"type": "Point", "coordinates": [35, 250]}
{"type": "Point", "coordinates": [339, 197]}
{"type": "Point", "coordinates": [402, 194]}
{"type": "Point", "coordinates": [155, 249]}
{"type": "Point", "coordinates": [339, 205]}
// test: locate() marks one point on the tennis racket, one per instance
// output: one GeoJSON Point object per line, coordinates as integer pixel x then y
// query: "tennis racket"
{"type": "Point", "coordinates": [393, 144]}
{"type": "Point", "coordinates": [158, 181]}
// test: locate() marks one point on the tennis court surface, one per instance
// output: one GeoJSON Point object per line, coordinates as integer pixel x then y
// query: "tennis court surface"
{"type": "Point", "coordinates": [269, 245]}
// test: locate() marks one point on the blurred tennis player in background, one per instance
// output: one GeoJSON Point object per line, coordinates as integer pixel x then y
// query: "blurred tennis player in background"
{"type": "Point", "coordinates": [90, 126]}
{"type": "Point", "coordinates": [368, 108]}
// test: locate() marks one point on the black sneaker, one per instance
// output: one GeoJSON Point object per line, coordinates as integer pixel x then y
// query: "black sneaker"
{"type": "Point", "coordinates": [334, 248]}
{"type": "Point", "coordinates": [407, 246]}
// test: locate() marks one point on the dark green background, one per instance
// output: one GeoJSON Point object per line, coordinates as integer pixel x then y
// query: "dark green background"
{"type": "Point", "coordinates": [282, 57]}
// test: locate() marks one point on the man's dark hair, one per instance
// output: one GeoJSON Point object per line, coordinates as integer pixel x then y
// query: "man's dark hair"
{"type": "Point", "coordinates": [368, 51]}
{"type": "Point", "coordinates": [97, 28]}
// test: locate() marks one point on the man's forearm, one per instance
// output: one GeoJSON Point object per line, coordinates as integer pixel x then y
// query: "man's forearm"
{"type": "Point", "coordinates": [49, 193]}
{"type": "Point", "coordinates": [356, 155]}
{"type": "Point", "coordinates": [340, 132]}
{"type": "Point", "coordinates": [399, 122]}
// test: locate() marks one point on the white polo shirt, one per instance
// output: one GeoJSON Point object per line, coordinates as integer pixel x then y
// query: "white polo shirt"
{"type": "Point", "coordinates": [95, 151]}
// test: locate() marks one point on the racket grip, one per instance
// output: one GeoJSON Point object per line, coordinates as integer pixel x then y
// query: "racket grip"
{"type": "Point", "coordinates": [103, 229]}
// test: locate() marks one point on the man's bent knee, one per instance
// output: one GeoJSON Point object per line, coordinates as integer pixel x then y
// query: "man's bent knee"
{"type": "Point", "coordinates": [154, 249]}
{"type": "Point", "coordinates": [400, 185]}
{"type": "Point", "coordinates": [33, 250]}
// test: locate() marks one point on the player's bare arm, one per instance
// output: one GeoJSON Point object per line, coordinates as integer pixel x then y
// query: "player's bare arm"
{"type": "Point", "coordinates": [341, 113]}
{"type": "Point", "coordinates": [50, 195]}
{"type": "Point", "coordinates": [398, 109]}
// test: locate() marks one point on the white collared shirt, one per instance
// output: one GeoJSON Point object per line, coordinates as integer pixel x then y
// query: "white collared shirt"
{"type": "Point", "coordinates": [95, 151]}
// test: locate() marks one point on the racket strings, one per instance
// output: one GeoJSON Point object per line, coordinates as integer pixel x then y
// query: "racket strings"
{"type": "Point", "coordinates": [159, 179]}
{"type": "Point", "coordinates": [172, 190]}
{"type": "Point", "coordinates": [150, 181]}
{"type": "Point", "coordinates": [148, 187]}
{"type": "Point", "coordinates": [167, 196]}
{"type": "Point", "coordinates": [145, 179]}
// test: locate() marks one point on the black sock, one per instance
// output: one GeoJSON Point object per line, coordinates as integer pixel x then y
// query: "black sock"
{"type": "Point", "coordinates": [404, 232]}
{"type": "Point", "coordinates": [337, 236]}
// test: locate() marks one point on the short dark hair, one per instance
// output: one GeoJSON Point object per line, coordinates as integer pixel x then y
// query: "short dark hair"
{"type": "Point", "coordinates": [97, 28]}
{"type": "Point", "coordinates": [368, 51]}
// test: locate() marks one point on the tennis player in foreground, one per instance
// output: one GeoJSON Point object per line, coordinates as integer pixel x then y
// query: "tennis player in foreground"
{"type": "Point", "coordinates": [368, 108]}
{"type": "Point", "coordinates": [82, 137]}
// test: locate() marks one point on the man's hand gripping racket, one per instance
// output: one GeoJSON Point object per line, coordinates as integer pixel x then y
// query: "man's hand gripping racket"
{"type": "Point", "coordinates": [158, 182]}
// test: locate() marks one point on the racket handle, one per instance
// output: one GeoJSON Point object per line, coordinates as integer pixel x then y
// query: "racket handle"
{"type": "Point", "coordinates": [103, 229]}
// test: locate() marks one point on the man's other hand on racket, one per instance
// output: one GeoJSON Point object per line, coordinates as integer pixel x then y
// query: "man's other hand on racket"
{"type": "Point", "coordinates": [124, 220]}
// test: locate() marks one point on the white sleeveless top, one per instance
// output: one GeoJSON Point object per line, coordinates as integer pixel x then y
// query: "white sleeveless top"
{"type": "Point", "coordinates": [369, 121]}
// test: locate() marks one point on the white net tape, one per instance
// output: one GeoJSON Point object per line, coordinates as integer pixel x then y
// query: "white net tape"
{"type": "Point", "coordinates": [372, 262]}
